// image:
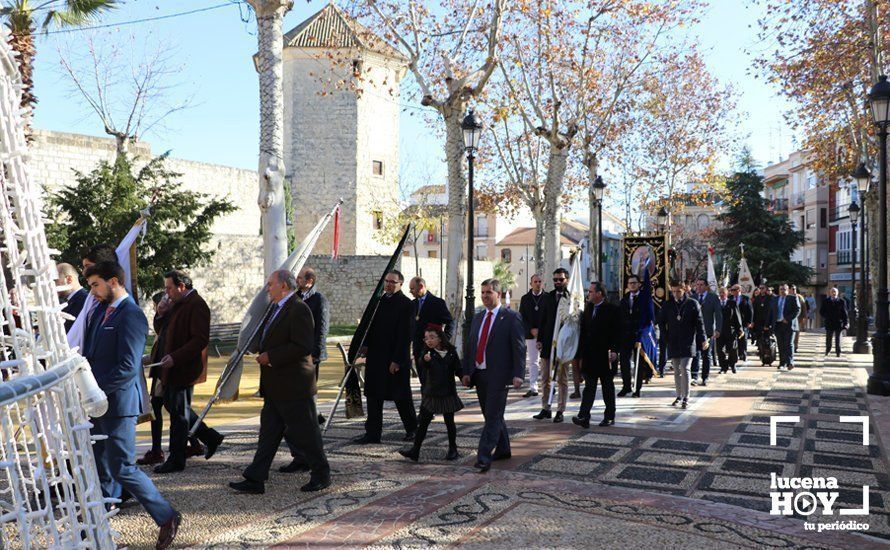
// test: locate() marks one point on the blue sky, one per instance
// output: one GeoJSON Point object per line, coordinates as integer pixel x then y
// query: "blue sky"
{"type": "Point", "coordinates": [214, 48]}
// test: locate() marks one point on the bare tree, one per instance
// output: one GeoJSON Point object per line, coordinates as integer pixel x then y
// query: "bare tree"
{"type": "Point", "coordinates": [129, 83]}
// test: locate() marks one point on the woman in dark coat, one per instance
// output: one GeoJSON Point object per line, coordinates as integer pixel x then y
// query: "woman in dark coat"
{"type": "Point", "coordinates": [440, 365]}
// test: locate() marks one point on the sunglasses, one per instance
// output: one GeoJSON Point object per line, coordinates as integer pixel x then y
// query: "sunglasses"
{"type": "Point", "coordinates": [558, 280]}
{"type": "Point", "coordinates": [390, 281]}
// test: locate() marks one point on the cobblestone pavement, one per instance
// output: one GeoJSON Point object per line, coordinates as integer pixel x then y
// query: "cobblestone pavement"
{"type": "Point", "coordinates": [698, 478]}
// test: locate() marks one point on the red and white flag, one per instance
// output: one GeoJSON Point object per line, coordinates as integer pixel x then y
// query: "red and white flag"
{"type": "Point", "coordinates": [335, 246]}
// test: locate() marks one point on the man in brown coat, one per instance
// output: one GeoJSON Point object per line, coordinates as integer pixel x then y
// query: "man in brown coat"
{"type": "Point", "coordinates": [181, 341]}
{"type": "Point", "coordinates": [287, 384]}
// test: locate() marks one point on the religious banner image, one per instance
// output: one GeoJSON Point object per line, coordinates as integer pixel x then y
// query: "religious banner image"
{"type": "Point", "coordinates": [646, 252]}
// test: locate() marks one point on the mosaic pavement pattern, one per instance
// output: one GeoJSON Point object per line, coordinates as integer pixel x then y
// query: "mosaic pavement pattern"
{"type": "Point", "coordinates": [663, 478]}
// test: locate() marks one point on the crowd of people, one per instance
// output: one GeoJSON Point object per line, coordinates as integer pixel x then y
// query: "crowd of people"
{"type": "Point", "coordinates": [697, 328]}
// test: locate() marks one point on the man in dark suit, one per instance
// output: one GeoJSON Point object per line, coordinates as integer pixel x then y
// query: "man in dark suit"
{"type": "Point", "coordinates": [783, 320]}
{"type": "Point", "coordinates": [387, 361]}
{"type": "Point", "coordinates": [70, 292]}
{"type": "Point", "coordinates": [684, 333]}
{"type": "Point", "coordinates": [712, 315]}
{"type": "Point", "coordinates": [531, 308]}
{"type": "Point", "coordinates": [183, 336]}
{"type": "Point", "coordinates": [545, 346]}
{"type": "Point", "coordinates": [287, 384]}
{"type": "Point", "coordinates": [321, 316]}
{"type": "Point", "coordinates": [747, 314]}
{"type": "Point", "coordinates": [114, 342]}
{"type": "Point", "coordinates": [835, 318]}
{"type": "Point", "coordinates": [727, 342]}
{"type": "Point", "coordinates": [426, 309]}
{"type": "Point", "coordinates": [597, 350]}
{"type": "Point", "coordinates": [629, 311]}
{"type": "Point", "coordinates": [494, 360]}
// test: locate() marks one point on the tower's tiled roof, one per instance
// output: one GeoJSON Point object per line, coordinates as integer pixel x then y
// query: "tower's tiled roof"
{"type": "Point", "coordinates": [333, 28]}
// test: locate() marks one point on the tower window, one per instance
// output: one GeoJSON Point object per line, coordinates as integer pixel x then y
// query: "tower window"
{"type": "Point", "coordinates": [377, 167]}
{"type": "Point", "coordinates": [378, 219]}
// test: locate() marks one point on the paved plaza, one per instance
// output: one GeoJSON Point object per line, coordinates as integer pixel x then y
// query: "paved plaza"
{"type": "Point", "coordinates": [699, 478]}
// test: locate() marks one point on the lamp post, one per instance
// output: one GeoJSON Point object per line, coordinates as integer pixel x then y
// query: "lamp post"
{"type": "Point", "coordinates": [472, 131]}
{"type": "Point", "coordinates": [853, 212]}
{"type": "Point", "coordinates": [862, 345]}
{"type": "Point", "coordinates": [879, 381]}
{"type": "Point", "coordinates": [661, 221]}
{"type": "Point", "coordinates": [597, 190]}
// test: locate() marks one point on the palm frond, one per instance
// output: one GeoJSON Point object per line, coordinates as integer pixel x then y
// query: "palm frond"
{"type": "Point", "coordinates": [78, 12]}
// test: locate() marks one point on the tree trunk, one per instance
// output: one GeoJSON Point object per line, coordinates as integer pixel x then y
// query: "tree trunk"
{"type": "Point", "coordinates": [593, 241]}
{"type": "Point", "coordinates": [556, 171]}
{"type": "Point", "coordinates": [540, 224]}
{"type": "Point", "coordinates": [23, 46]}
{"type": "Point", "coordinates": [457, 212]}
{"type": "Point", "coordinates": [269, 14]}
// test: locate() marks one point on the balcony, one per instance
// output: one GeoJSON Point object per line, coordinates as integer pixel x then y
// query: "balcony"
{"type": "Point", "coordinates": [799, 200]}
{"type": "Point", "coordinates": [778, 205]}
{"type": "Point", "coordinates": [839, 212]}
{"type": "Point", "coordinates": [844, 257]}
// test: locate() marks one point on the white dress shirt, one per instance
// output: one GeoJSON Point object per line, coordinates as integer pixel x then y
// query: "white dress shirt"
{"type": "Point", "coordinates": [494, 316]}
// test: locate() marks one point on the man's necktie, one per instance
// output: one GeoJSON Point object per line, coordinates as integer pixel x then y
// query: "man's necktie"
{"type": "Point", "coordinates": [483, 340]}
{"type": "Point", "coordinates": [108, 313]}
{"type": "Point", "coordinates": [271, 318]}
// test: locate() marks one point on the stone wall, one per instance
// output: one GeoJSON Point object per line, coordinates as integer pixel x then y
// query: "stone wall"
{"type": "Point", "coordinates": [235, 273]}
{"type": "Point", "coordinates": [348, 281]}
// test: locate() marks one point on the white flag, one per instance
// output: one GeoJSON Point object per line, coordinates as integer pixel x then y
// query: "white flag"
{"type": "Point", "coordinates": [77, 332]}
{"type": "Point", "coordinates": [746, 281]}
{"type": "Point", "coordinates": [712, 275]}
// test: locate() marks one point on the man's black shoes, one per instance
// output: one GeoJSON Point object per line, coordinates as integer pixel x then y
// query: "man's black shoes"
{"type": "Point", "coordinates": [296, 465]}
{"type": "Point", "coordinates": [248, 486]}
{"type": "Point", "coordinates": [581, 421]}
{"type": "Point", "coordinates": [211, 448]}
{"type": "Point", "coordinates": [542, 415]}
{"type": "Point", "coordinates": [607, 423]}
{"type": "Point", "coordinates": [317, 483]}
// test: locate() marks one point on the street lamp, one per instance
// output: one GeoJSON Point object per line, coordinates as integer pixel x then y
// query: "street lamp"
{"type": "Point", "coordinates": [597, 190]}
{"type": "Point", "coordinates": [472, 131]}
{"type": "Point", "coordinates": [863, 179]}
{"type": "Point", "coordinates": [879, 381]}
{"type": "Point", "coordinates": [853, 212]}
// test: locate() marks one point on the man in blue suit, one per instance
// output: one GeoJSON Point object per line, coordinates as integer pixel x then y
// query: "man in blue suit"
{"type": "Point", "coordinates": [495, 359]}
{"type": "Point", "coordinates": [784, 311]}
{"type": "Point", "coordinates": [114, 343]}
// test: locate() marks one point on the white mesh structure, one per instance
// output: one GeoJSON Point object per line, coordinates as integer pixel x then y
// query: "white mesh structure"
{"type": "Point", "coordinates": [49, 490]}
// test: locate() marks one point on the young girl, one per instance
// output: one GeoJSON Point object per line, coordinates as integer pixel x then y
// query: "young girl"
{"type": "Point", "coordinates": [441, 365]}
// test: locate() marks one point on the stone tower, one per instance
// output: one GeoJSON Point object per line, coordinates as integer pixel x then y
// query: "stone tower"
{"type": "Point", "coordinates": [342, 142]}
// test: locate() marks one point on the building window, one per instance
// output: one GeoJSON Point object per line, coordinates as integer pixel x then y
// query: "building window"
{"type": "Point", "coordinates": [703, 221]}
{"type": "Point", "coordinates": [377, 167]}
{"type": "Point", "coordinates": [377, 216]}
{"type": "Point", "coordinates": [823, 218]}
{"type": "Point", "coordinates": [482, 252]}
{"type": "Point", "coordinates": [811, 222]}
{"type": "Point", "coordinates": [482, 226]}
{"type": "Point", "coordinates": [506, 255]}
{"type": "Point", "coordinates": [432, 253]}
{"type": "Point", "coordinates": [811, 182]}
